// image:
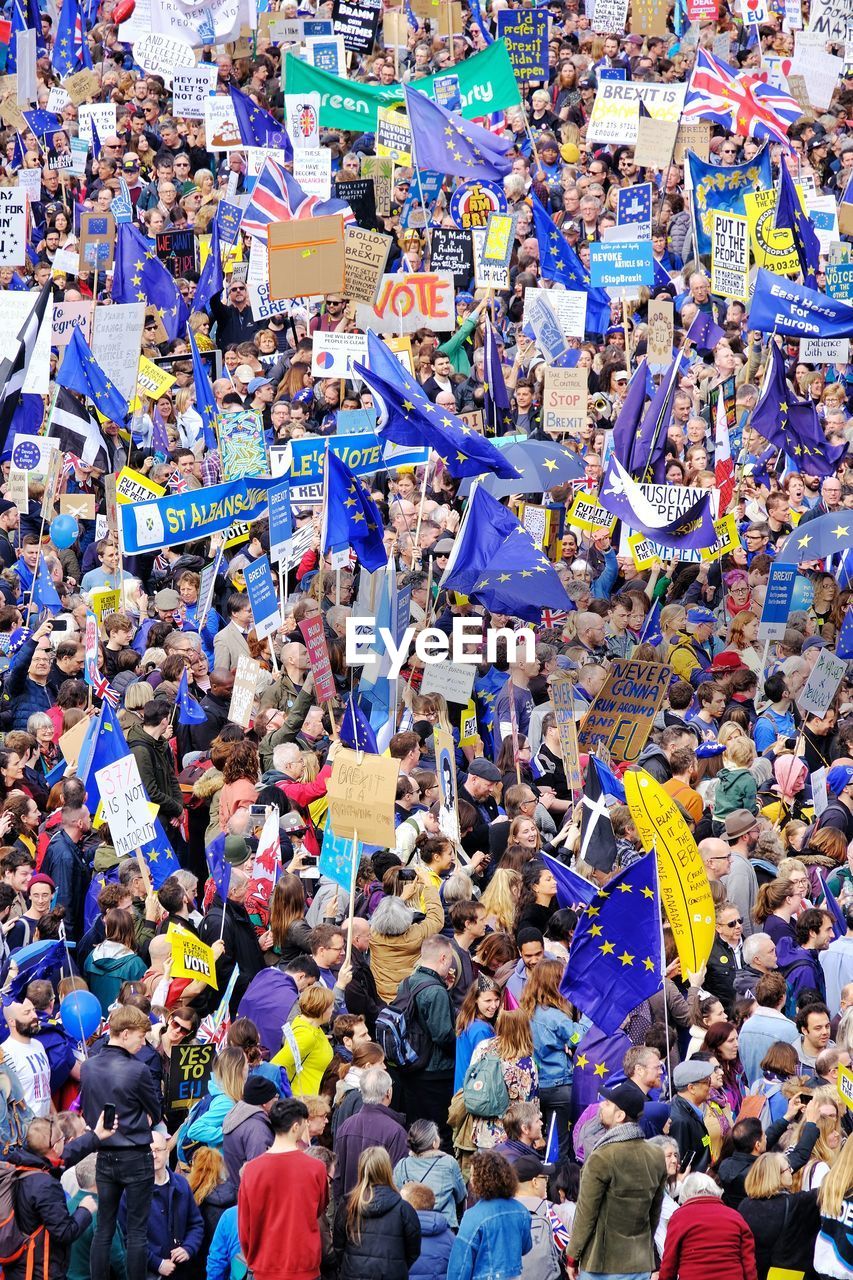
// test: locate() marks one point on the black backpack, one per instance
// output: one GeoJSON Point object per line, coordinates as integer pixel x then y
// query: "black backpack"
{"type": "Point", "coordinates": [405, 1043]}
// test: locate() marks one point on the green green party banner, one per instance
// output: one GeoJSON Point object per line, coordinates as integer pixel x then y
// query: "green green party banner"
{"type": "Point", "coordinates": [486, 84]}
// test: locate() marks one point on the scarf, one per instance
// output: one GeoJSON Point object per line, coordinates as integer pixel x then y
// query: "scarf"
{"type": "Point", "coordinates": [626, 1132]}
{"type": "Point", "coordinates": [732, 609]}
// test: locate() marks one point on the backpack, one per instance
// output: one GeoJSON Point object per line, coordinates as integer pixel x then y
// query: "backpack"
{"type": "Point", "coordinates": [15, 1114]}
{"type": "Point", "coordinates": [484, 1090]}
{"type": "Point", "coordinates": [13, 1241]}
{"type": "Point", "coordinates": [404, 1041]}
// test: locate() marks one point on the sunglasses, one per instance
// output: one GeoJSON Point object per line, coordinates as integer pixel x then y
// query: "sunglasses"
{"type": "Point", "coordinates": [179, 1026]}
{"type": "Point", "coordinates": [732, 923]}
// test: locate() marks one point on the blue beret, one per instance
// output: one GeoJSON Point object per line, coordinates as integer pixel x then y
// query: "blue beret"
{"type": "Point", "coordinates": [699, 615]}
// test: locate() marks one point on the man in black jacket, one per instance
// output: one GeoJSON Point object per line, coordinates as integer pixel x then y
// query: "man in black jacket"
{"type": "Point", "coordinates": [240, 940]}
{"type": "Point", "coordinates": [692, 1083]}
{"type": "Point", "coordinates": [361, 994]}
{"type": "Point", "coordinates": [125, 1164]}
{"type": "Point", "coordinates": [750, 1140]}
{"type": "Point", "coordinates": [41, 1209]}
{"type": "Point", "coordinates": [726, 956]}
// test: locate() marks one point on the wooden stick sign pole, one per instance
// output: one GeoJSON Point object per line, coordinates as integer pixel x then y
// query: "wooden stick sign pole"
{"type": "Point", "coordinates": [352, 880]}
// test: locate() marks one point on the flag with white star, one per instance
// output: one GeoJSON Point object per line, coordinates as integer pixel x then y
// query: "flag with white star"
{"type": "Point", "coordinates": [447, 143]}
{"type": "Point", "coordinates": [139, 276]}
{"type": "Point", "coordinates": [615, 960]}
{"type": "Point", "coordinates": [350, 517]}
{"type": "Point", "coordinates": [407, 416]}
{"type": "Point", "coordinates": [791, 215]}
{"type": "Point", "coordinates": [81, 372]}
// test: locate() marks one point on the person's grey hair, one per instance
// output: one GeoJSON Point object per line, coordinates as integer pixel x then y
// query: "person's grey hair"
{"type": "Point", "coordinates": [151, 659]}
{"type": "Point", "coordinates": [698, 1184]}
{"type": "Point", "coordinates": [457, 888]}
{"type": "Point", "coordinates": [138, 695]}
{"type": "Point", "coordinates": [423, 1136]}
{"type": "Point", "coordinates": [827, 1060]}
{"type": "Point", "coordinates": [374, 1085]}
{"type": "Point", "coordinates": [284, 753]}
{"type": "Point", "coordinates": [188, 880]}
{"type": "Point", "coordinates": [753, 944]}
{"type": "Point", "coordinates": [85, 1172]}
{"type": "Point", "coordinates": [39, 720]}
{"type": "Point", "coordinates": [392, 918]}
{"type": "Point", "coordinates": [664, 1141]}
{"type": "Point", "coordinates": [174, 636]}
{"type": "Point", "coordinates": [844, 1034]}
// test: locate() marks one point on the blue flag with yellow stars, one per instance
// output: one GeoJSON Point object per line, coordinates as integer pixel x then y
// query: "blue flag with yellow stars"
{"type": "Point", "coordinates": [70, 48]}
{"type": "Point", "coordinates": [139, 276]}
{"type": "Point", "coordinates": [496, 405]}
{"type": "Point", "coordinates": [447, 143]}
{"type": "Point", "coordinates": [723, 187]}
{"type": "Point", "coordinates": [350, 517]}
{"type": "Point", "coordinates": [790, 214]}
{"type": "Point", "coordinates": [81, 372]}
{"type": "Point", "coordinates": [509, 576]}
{"type": "Point", "coordinates": [559, 262]}
{"type": "Point", "coordinates": [828, 535]}
{"type": "Point", "coordinates": [257, 127]}
{"type": "Point", "coordinates": [44, 592]}
{"type": "Point", "coordinates": [205, 402]}
{"type": "Point", "coordinates": [407, 416]}
{"type": "Point", "coordinates": [792, 425]}
{"type": "Point", "coordinates": [486, 689]}
{"type": "Point", "coordinates": [597, 1065]}
{"type": "Point", "coordinates": [189, 711]}
{"type": "Point", "coordinates": [212, 278]}
{"type": "Point", "coordinates": [844, 643]}
{"type": "Point", "coordinates": [355, 730]}
{"type": "Point", "coordinates": [615, 960]}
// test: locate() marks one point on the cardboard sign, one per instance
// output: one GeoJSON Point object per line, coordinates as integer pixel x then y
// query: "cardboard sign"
{"type": "Point", "coordinates": [306, 258]}
{"type": "Point", "coordinates": [116, 331]}
{"type": "Point", "coordinates": [454, 680]}
{"type": "Point", "coordinates": [82, 86]}
{"type": "Point", "coordinates": [660, 333]}
{"type": "Point", "coordinates": [192, 958]}
{"type": "Point", "coordinates": [729, 255]}
{"type": "Point", "coordinates": [365, 256]}
{"type": "Point", "coordinates": [621, 715]}
{"type": "Point", "coordinates": [563, 699]}
{"type": "Point", "coordinates": [17, 487]}
{"type": "Point", "coordinates": [314, 635]}
{"type": "Point", "coordinates": [845, 1085]}
{"type": "Point", "coordinates": [361, 797]}
{"type": "Point", "coordinates": [380, 171]}
{"type": "Point", "coordinates": [79, 505]}
{"type": "Point", "coordinates": [393, 135]}
{"type": "Point", "coordinates": [97, 240]}
{"type": "Point", "coordinates": [13, 227]}
{"type": "Point", "coordinates": [445, 767]}
{"type": "Point", "coordinates": [191, 87]}
{"type": "Point", "coordinates": [152, 381]}
{"type": "Point", "coordinates": [564, 401]}
{"type": "Point", "coordinates": [695, 137]}
{"type": "Point", "coordinates": [822, 685]}
{"type": "Point", "coordinates": [190, 1069]}
{"type": "Point", "coordinates": [655, 142]}
{"type": "Point", "coordinates": [404, 304]}
{"type": "Point", "coordinates": [243, 694]}
{"type": "Point", "coordinates": [33, 453]}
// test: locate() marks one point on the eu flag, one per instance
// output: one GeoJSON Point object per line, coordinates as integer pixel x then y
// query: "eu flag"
{"type": "Point", "coordinates": [70, 48]}
{"type": "Point", "coordinates": [355, 731]}
{"type": "Point", "coordinates": [447, 143]}
{"type": "Point", "coordinates": [257, 127]}
{"type": "Point", "coordinates": [103, 745]}
{"type": "Point", "coordinates": [615, 960]}
{"type": "Point", "coordinates": [495, 395]}
{"type": "Point", "coordinates": [44, 592]}
{"type": "Point", "coordinates": [189, 711]}
{"type": "Point", "coordinates": [792, 425]}
{"type": "Point", "coordinates": [790, 214]}
{"type": "Point", "coordinates": [205, 402]}
{"type": "Point", "coordinates": [407, 416]}
{"type": "Point", "coordinates": [844, 643]}
{"type": "Point", "coordinates": [572, 889]}
{"type": "Point", "coordinates": [81, 372]}
{"type": "Point", "coordinates": [627, 426]}
{"type": "Point", "coordinates": [648, 457]}
{"type": "Point", "coordinates": [350, 517]}
{"type": "Point", "coordinates": [623, 498]}
{"type": "Point", "coordinates": [212, 279]}
{"type": "Point", "coordinates": [651, 632]}
{"type": "Point", "coordinates": [139, 276]}
{"type": "Point", "coordinates": [509, 576]}
{"type": "Point", "coordinates": [597, 1065]}
{"type": "Point", "coordinates": [220, 870]}
{"type": "Point", "coordinates": [724, 187]}
{"type": "Point", "coordinates": [559, 262]}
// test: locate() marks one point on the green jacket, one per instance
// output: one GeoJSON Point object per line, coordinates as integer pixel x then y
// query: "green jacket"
{"type": "Point", "coordinates": [157, 771]}
{"type": "Point", "coordinates": [435, 1015]}
{"type": "Point", "coordinates": [736, 789]}
{"type": "Point", "coordinates": [619, 1204]}
{"type": "Point", "coordinates": [454, 347]}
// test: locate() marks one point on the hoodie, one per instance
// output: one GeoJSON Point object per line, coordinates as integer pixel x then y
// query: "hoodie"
{"type": "Point", "coordinates": [246, 1133]}
{"type": "Point", "coordinates": [735, 790]}
{"type": "Point", "coordinates": [108, 966]}
{"type": "Point", "coordinates": [206, 1129]}
{"type": "Point", "coordinates": [436, 1244]}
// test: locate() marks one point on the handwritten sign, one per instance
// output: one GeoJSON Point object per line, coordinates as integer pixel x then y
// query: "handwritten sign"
{"type": "Point", "coordinates": [125, 805]}
{"type": "Point", "coordinates": [621, 715]}
{"type": "Point", "coordinates": [243, 693]}
{"type": "Point", "coordinates": [313, 633]}
{"type": "Point", "coordinates": [361, 797]}
{"type": "Point", "coordinates": [189, 1073]}
{"type": "Point", "coordinates": [526, 34]}
{"type": "Point", "coordinates": [404, 304]}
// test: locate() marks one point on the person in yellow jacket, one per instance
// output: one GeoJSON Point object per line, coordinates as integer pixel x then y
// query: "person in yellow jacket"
{"type": "Point", "coordinates": [306, 1051]}
{"type": "Point", "coordinates": [695, 650]}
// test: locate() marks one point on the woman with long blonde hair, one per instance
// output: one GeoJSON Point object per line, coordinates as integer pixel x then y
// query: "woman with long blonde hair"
{"type": "Point", "coordinates": [501, 899]}
{"type": "Point", "coordinates": [827, 1149]}
{"type": "Point", "coordinates": [512, 1045]}
{"type": "Point", "coordinates": [376, 1232]}
{"type": "Point", "coordinates": [833, 1252]}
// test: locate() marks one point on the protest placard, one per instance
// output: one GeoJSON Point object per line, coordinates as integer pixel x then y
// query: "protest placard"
{"type": "Point", "coordinates": [15, 307]}
{"type": "Point", "coordinates": [393, 135]}
{"type": "Point", "coordinates": [822, 684]}
{"type": "Point", "coordinates": [313, 633]}
{"type": "Point", "coordinates": [302, 117]}
{"type": "Point", "coordinates": [404, 304]}
{"type": "Point", "coordinates": [660, 333]}
{"type": "Point", "coordinates": [622, 713]}
{"type": "Point", "coordinates": [32, 453]}
{"type": "Point", "coordinates": [68, 316]}
{"type": "Point", "coordinates": [615, 112]}
{"type": "Point", "coordinates": [777, 601]}
{"type": "Point", "coordinates": [79, 505]}
{"type": "Point", "coordinates": [176, 249]}
{"type": "Point", "coordinates": [692, 136]}
{"type": "Point", "coordinates": [453, 680]}
{"type": "Point", "coordinates": [655, 142]}
{"type": "Point", "coordinates": [473, 202]}
{"type": "Point", "coordinates": [453, 251]}
{"type": "Point", "coordinates": [191, 87]}
{"type": "Point", "coordinates": [729, 255]}
{"type": "Point", "coordinates": [380, 171]}
{"type": "Point", "coordinates": [609, 15]}
{"type": "Point", "coordinates": [242, 444]}
{"type": "Point", "coordinates": [133, 486]}
{"type": "Point", "coordinates": [824, 350]}
{"type": "Point", "coordinates": [365, 256]}
{"type": "Point", "coordinates": [306, 257]}
{"type": "Point", "coordinates": [487, 275]}
{"type": "Point", "coordinates": [569, 307]}
{"type": "Point", "coordinates": [220, 124]}
{"type": "Point", "coordinates": [151, 380]}
{"type": "Point", "coordinates": [191, 958]}
{"type": "Point", "coordinates": [357, 22]}
{"type": "Point", "coordinates": [97, 240]}
{"type": "Point", "coordinates": [263, 598]}
{"type": "Point", "coordinates": [243, 694]}
{"type": "Point", "coordinates": [525, 32]}
{"type": "Point", "coordinates": [772, 247]}
{"type": "Point", "coordinates": [312, 169]}
{"type": "Point", "coordinates": [190, 1069]}
{"type": "Point", "coordinates": [13, 227]}
{"type": "Point", "coordinates": [17, 487]}
{"type": "Point", "coordinates": [360, 195]}
{"type": "Point", "coordinates": [586, 513]}
{"type": "Point", "coordinates": [333, 353]}
{"type": "Point", "coordinates": [125, 805]}
{"type": "Point", "coordinates": [361, 795]}
{"type": "Point", "coordinates": [103, 114]}
{"type": "Point", "coordinates": [82, 86]}
{"type": "Point", "coordinates": [562, 692]}
{"type": "Point", "coordinates": [326, 53]}
{"type": "Point", "coordinates": [624, 264]}
{"type": "Point", "coordinates": [160, 55]}
{"type": "Point", "coordinates": [104, 603]}
{"type": "Point", "coordinates": [564, 401]}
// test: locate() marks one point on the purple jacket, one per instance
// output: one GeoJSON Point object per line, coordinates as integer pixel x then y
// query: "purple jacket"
{"type": "Point", "coordinates": [246, 1133]}
{"type": "Point", "coordinates": [373, 1126]}
{"type": "Point", "coordinates": [268, 1000]}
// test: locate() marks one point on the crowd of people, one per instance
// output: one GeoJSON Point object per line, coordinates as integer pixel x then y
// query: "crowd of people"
{"type": "Point", "coordinates": [390, 1075]}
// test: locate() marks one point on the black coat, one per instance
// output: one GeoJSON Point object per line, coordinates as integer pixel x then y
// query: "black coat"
{"type": "Point", "coordinates": [114, 1075]}
{"type": "Point", "coordinates": [361, 994]}
{"type": "Point", "coordinates": [733, 1170]}
{"type": "Point", "coordinates": [688, 1130]}
{"type": "Point", "coordinates": [40, 1201]}
{"type": "Point", "coordinates": [720, 975]}
{"type": "Point", "coordinates": [784, 1227]}
{"type": "Point", "coordinates": [241, 948]}
{"type": "Point", "coordinates": [389, 1239]}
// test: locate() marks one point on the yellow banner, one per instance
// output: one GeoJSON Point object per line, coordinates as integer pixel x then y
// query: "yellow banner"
{"type": "Point", "coordinates": [191, 958]}
{"type": "Point", "coordinates": [684, 889]}
{"type": "Point", "coordinates": [104, 603]}
{"type": "Point", "coordinates": [771, 248]}
{"type": "Point", "coordinates": [151, 380]}
{"type": "Point", "coordinates": [644, 552]}
{"type": "Point", "coordinates": [727, 537]}
{"type": "Point", "coordinates": [468, 733]}
{"type": "Point", "coordinates": [585, 513]}
{"type": "Point", "coordinates": [133, 486]}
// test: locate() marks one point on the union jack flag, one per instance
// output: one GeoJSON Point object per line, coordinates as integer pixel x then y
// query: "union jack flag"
{"type": "Point", "coordinates": [741, 102]}
{"type": "Point", "coordinates": [214, 1028]}
{"type": "Point", "coordinates": [101, 687]}
{"type": "Point", "coordinates": [278, 197]}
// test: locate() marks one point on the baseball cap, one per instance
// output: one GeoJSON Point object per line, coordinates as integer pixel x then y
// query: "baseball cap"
{"type": "Point", "coordinates": [628, 1097]}
{"type": "Point", "coordinates": [529, 1167]}
{"type": "Point", "coordinates": [167, 598]}
{"type": "Point", "coordinates": [839, 777]}
{"type": "Point", "coordinates": [813, 642]}
{"type": "Point", "coordinates": [257, 383]}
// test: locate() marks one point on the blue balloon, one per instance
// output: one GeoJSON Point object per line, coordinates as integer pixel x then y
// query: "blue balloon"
{"type": "Point", "coordinates": [80, 1014]}
{"type": "Point", "coordinates": [63, 531]}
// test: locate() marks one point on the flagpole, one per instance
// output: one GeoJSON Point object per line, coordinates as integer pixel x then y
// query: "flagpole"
{"type": "Point", "coordinates": [427, 212]}
{"type": "Point", "coordinates": [352, 880]}
{"type": "Point", "coordinates": [663, 971]}
{"type": "Point", "coordinates": [421, 509]}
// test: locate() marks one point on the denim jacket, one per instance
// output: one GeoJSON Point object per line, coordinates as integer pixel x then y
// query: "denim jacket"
{"type": "Point", "coordinates": [493, 1237]}
{"type": "Point", "coordinates": [555, 1038]}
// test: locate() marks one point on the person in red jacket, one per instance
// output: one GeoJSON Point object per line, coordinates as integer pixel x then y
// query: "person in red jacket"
{"type": "Point", "coordinates": [705, 1238]}
{"type": "Point", "coordinates": [282, 1196]}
